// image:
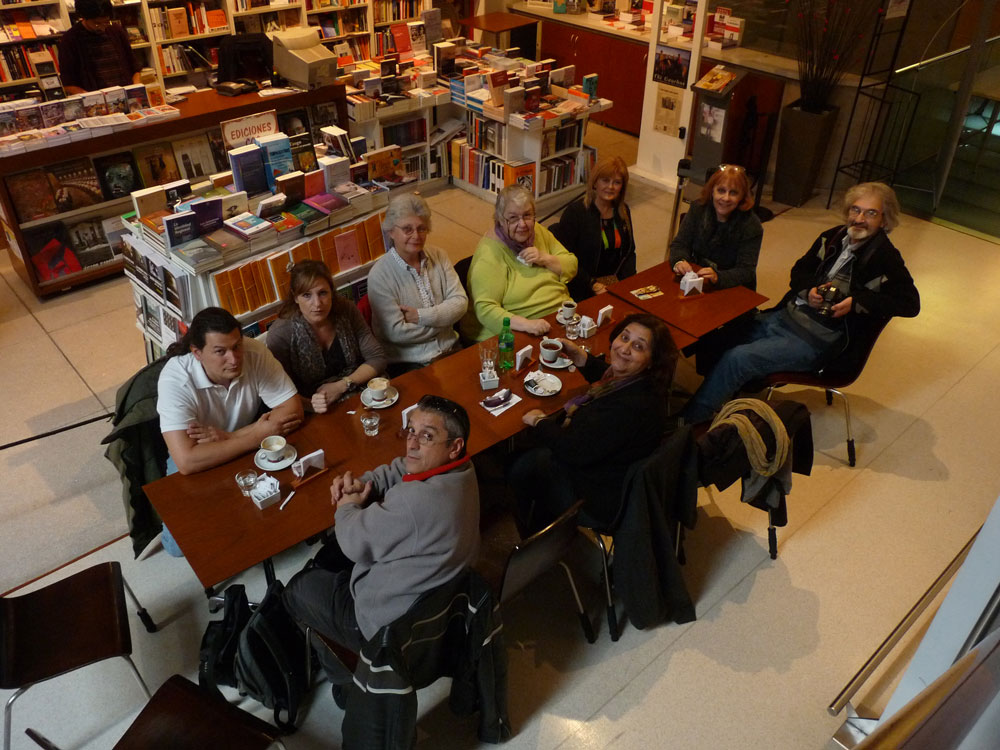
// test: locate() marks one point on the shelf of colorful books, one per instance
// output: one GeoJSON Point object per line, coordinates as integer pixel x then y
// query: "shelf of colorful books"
{"type": "Point", "coordinates": [274, 8]}
{"type": "Point", "coordinates": [107, 208]}
{"type": "Point", "coordinates": [336, 8]}
{"type": "Point", "coordinates": [191, 38]}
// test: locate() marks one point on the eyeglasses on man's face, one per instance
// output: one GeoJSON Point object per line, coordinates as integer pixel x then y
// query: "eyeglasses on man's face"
{"type": "Point", "coordinates": [869, 213]}
{"type": "Point", "coordinates": [423, 437]}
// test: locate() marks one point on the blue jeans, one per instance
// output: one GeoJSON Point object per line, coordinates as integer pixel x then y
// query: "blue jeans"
{"type": "Point", "coordinates": [774, 344]}
{"type": "Point", "coordinates": [166, 538]}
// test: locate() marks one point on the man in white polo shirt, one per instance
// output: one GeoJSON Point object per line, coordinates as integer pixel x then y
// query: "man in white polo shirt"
{"type": "Point", "coordinates": [209, 394]}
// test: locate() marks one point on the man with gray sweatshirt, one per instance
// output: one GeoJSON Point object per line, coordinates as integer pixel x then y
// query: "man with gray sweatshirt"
{"type": "Point", "coordinates": [404, 528]}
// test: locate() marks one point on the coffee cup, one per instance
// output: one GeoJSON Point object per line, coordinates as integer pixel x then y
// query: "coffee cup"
{"type": "Point", "coordinates": [377, 388]}
{"type": "Point", "coordinates": [273, 447]}
{"type": "Point", "coordinates": [568, 310]}
{"type": "Point", "coordinates": [550, 349]}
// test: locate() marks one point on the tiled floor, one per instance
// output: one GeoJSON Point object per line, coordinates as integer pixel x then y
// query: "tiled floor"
{"type": "Point", "coordinates": [774, 640]}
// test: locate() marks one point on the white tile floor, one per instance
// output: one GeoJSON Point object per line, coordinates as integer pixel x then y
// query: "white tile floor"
{"type": "Point", "coordinates": [775, 640]}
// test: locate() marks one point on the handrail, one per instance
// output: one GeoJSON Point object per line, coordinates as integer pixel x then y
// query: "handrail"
{"type": "Point", "coordinates": [862, 675]}
{"type": "Point", "coordinates": [944, 56]}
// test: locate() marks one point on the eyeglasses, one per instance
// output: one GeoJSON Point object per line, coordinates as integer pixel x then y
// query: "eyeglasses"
{"type": "Point", "coordinates": [100, 23]}
{"type": "Point", "coordinates": [870, 213]}
{"type": "Point", "coordinates": [424, 438]}
{"type": "Point", "coordinates": [731, 168]}
{"type": "Point", "coordinates": [515, 220]}
{"type": "Point", "coordinates": [410, 231]}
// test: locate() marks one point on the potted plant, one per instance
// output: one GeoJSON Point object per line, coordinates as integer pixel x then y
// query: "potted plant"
{"type": "Point", "coordinates": [830, 36]}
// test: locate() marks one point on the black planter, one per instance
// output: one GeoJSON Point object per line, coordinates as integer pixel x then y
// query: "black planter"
{"type": "Point", "coordinates": [803, 141]}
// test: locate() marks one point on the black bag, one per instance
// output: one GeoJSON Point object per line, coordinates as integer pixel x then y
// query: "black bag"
{"type": "Point", "coordinates": [259, 652]}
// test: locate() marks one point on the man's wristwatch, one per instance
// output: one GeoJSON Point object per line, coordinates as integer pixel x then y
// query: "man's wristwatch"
{"type": "Point", "coordinates": [351, 385]}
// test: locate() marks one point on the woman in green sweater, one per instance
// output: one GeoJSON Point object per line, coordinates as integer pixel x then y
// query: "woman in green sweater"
{"type": "Point", "coordinates": [519, 271]}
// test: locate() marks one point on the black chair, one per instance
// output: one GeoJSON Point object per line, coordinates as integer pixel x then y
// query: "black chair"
{"type": "Point", "coordinates": [462, 269]}
{"type": "Point", "coordinates": [837, 374]}
{"type": "Point", "coordinates": [183, 716]}
{"type": "Point", "coordinates": [67, 625]}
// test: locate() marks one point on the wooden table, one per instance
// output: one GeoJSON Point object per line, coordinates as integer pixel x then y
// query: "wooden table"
{"type": "Point", "coordinates": [223, 533]}
{"type": "Point", "coordinates": [499, 25]}
{"type": "Point", "coordinates": [695, 315]}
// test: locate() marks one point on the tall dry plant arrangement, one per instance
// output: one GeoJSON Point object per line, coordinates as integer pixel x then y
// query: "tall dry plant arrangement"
{"type": "Point", "coordinates": [830, 35]}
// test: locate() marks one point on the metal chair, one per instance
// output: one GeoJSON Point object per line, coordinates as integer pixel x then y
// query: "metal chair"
{"type": "Point", "coordinates": [66, 625]}
{"type": "Point", "coordinates": [183, 716]}
{"type": "Point", "coordinates": [840, 373]}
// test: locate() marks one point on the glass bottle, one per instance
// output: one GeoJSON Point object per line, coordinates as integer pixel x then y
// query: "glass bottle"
{"type": "Point", "coordinates": [505, 347]}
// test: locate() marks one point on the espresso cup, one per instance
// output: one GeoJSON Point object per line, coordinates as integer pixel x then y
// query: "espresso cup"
{"type": "Point", "coordinates": [568, 309]}
{"type": "Point", "coordinates": [377, 388]}
{"type": "Point", "coordinates": [549, 349]}
{"type": "Point", "coordinates": [273, 447]}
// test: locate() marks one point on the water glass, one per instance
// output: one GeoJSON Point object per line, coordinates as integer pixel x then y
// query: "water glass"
{"type": "Point", "coordinates": [488, 357]}
{"type": "Point", "coordinates": [246, 481]}
{"type": "Point", "coordinates": [573, 330]}
{"type": "Point", "coordinates": [370, 420]}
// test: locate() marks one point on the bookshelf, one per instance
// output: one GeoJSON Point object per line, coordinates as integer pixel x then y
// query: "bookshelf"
{"type": "Point", "coordinates": [200, 114]}
{"type": "Point", "coordinates": [27, 27]}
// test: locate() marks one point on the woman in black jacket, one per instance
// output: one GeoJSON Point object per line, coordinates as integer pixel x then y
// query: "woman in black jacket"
{"type": "Point", "coordinates": [597, 229]}
{"type": "Point", "coordinates": [585, 449]}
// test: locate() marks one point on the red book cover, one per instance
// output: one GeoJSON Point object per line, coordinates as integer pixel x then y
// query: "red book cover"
{"type": "Point", "coordinates": [348, 255]}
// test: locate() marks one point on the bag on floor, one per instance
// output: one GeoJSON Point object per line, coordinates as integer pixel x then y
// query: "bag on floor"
{"type": "Point", "coordinates": [221, 639]}
{"type": "Point", "coordinates": [270, 663]}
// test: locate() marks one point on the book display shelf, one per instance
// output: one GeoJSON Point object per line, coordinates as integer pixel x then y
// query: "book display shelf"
{"type": "Point", "coordinates": [26, 27]}
{"type": "Point", "coordinates": [61, 206]}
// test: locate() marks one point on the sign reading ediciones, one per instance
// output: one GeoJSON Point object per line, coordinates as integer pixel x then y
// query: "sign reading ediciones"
{"type": "Point", "coordinates": [243, 130]}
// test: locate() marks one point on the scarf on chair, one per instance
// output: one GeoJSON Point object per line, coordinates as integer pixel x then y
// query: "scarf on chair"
{"type": "Point", "coordinates": [307, 354]}
{"type": "Point", "coordinates": [607, 385]}
{"type": "Point", "coordinates": [513, 245]}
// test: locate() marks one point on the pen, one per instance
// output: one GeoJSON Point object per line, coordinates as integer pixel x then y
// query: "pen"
{"type": "Point", "coordinates": [285, 501]}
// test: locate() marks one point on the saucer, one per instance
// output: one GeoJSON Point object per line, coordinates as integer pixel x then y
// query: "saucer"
{"type": "Point", "coordinates": [545, 384]}
{"type": "Point", "coordinates": [567, 321]}
{"type": "Point", "coordinates": [561, 363]}
{"type": "Point", "coordinates": [287, 459]}
{"type": "Point", "coordinates": [391, 396]}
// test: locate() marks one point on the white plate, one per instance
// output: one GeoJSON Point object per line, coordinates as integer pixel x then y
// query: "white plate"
{"type": "Point", "coordinates": [561, 363]}
{"type": "Point", "coordinates": [391, 396]}
{"type": "Point", "coordinates": [565, 321]}
{"type": "Point", "coordinates": [267, 465]}
{"type": "Point", "coordinates": [545, 385]}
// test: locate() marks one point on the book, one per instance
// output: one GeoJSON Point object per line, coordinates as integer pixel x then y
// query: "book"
{"type": "Point", "coordinates": [149, 200]}
{"type": "Point", "coordinates": [74, 184]}
{"type": "Point", "coordinates": [32, 195]}
{"type": "Point", "coordinates": [177, 191]}
{"type": "Point", "coordinates": [157, 165]}
{"type": "Point", "coordinates": [313, 219]}
{"type": "Point", "coordinates": [137, 98]}
{"type": "Point", "coordinates": [295, 124]}
{"type": "Point", "coordinates": [89, 242]}
{"type": "Point", "coordinates": [52, 113]}
{"type": "Point", "coordinates": [276, 152]}
{"type": "Point", "coordinates": [115, 230]}
{"type": "Point", "coordinates": [208, 213]}
{"type": "Point", "coordinates": [247, 224]}
{"type": "Point", "coordinates": [347, 249]}
{"type": "Point", "coordinates": [285, 222]}
{"type": "Point", "coordinates": [51, 254]}
{"type": "Point", "coordinates": [336, 171]}
{"type": "Point", "coordinates": [314, 183]}
{"type": "Point", "coordinates": [270, 206]}
{"type": "Point", "coordinates": [115, 100]}
{"type": "Point", "coordinates": [230, 244]}
{"type": "Point", "coordinates": [179, 229]}
{"type": "Point", "coordinates": [234, 204]}
{"type": "Point", "coordinates": [194, 156]}
{"type": "Point", "coordinates": [197, 256]}
{"type": "Point", "coordinates": [293, 186]}
{"type": "Point", "coordinates": [328, 203]}
{"type": "Point", "coordinates": [247, 163]}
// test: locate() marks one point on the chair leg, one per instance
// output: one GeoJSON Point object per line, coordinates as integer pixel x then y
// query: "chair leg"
{"type": "Point", "coordinates": [588, 629]}
{"type": "Point", "coordinates": [851, 458]}
{"type": "Point", "coordinates": [147, 621]}
{"type": "Point", "coordinates": [138, 676]}
{"type": "Point", "coordinates": [7, 714]}
{"type": "Point", "coordinates": [829, 397]}
{"type": "Point", "coordinates": [772, 537]}
{"type": "Point", "coordinates": [608, 586]}
{"type": "Point", "coordinates": [770, 390]}
{"type": "Point", "coordinates": [679, 545]}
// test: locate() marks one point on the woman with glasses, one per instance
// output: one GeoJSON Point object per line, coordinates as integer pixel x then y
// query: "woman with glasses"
{"type": "Point", "coordinates": [321, 339]}
{"type": "Point", "coordinates": [597, 229]}
{"type": "Point", "coordinates": [95, 53]}
{"type": "Point", "coordinates": [415, 294]}
{"type": "Point", "coordinates": [519, 271]}
{"type": "Point", "coordinates": [720, 232]}
{"type": "Point", "coordinates": [585, 449]}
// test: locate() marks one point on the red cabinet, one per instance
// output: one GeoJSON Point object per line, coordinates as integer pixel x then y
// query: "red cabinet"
{"type": "Point", "coordinates": [620, 65]}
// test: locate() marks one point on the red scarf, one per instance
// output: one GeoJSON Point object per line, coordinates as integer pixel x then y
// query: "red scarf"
{"type": "Point", "coordinates": [439, 470]}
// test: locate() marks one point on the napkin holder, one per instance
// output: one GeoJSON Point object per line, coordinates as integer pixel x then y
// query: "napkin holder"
{"type": "Point", "coordinates": [691, 283]}
{"type": "Point", "coordinates": [266, 493]}
{"type": "Point", "coordinates": [489, 382]}
{"type": "Point", "coordinates": [313, 460]}
{"type": "Point", "coordinates": [587, 327]}
{"type": "Point", "coordinates": [405, 414]}
{"type": "Point", "coordinates": [604, 315]}
{"type": "Point", "coordinates": [522, 357]}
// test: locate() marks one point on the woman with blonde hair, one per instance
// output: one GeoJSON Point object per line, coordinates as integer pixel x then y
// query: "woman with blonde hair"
{"type": "Point", "coordinates": [597, 229]}
{"type": "Point", "coordinates": [721, 233]}
{"type": "Point", "coordinates": [321, 339]}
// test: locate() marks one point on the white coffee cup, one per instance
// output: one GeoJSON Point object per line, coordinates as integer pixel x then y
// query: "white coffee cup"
{"type": "Point", "coordinates": [377, 388]}
{"type": "Point", "coordinates": [568, 310]}
{"type": "Point", "coordinates": [549, 350]}
{"type": "Point", "coordinates": [273, 447]}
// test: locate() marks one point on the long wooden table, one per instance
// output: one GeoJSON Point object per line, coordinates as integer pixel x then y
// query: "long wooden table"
{"type": "Point", "coordinates": [696, 314]}
{"type": "Point", "coordinates": [223, 533]}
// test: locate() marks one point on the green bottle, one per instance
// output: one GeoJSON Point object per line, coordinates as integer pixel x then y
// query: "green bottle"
{"type": "Point", "coordinates": [505, 347]}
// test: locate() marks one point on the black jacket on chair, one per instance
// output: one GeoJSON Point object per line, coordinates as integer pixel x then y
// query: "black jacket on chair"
{"type": "Point", "coordinates": [454, 630]}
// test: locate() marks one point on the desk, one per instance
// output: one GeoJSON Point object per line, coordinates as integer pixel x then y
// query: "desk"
{"type": "Point", "coordinates": [695, 315]}
{"type": "Point", "coordinates": [223, 533]}
{"type": "Point", "coordinates": [500, 26]}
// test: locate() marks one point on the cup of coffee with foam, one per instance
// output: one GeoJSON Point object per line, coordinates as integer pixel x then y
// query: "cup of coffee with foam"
{"type": "Point", "coordinates": [377, 388]}
{"type": "Point", "coordinates": [273, 447]}
{"type": "Point", "coordinates": [550, 349]}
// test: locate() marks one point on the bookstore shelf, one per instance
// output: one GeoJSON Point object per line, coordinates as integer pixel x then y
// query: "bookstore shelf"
{"type": "Point", "coordinates": [18, 82]}
{"type": "Point", "coordinates": [183, 73]}
{"type": "Point", "coordinates": [191, 38]}
{"type": "Point", "coordinates": [336, 9]}
{"type": "Point", "coordinates": [266, 9]}
{"type": "Point", "coordinates": [113, 207]}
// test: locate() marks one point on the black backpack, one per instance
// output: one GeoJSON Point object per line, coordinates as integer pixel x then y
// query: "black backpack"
{"type": "Point", "coordinates": [260, 652]}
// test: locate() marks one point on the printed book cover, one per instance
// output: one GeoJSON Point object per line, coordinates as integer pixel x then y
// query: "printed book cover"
{"type": "Point", "coordinates": [194, 157]}
{"type": "Point", "coordinates": [157, 165]}
{"type": "Point", "coordinates": [117, 174]}
{"type": "Point", "coordinates": [32, 195]}
{"type": "Point", "coordinates": [89, 242]}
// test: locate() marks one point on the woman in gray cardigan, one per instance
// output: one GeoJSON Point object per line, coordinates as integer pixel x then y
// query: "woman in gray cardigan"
{"type": "Point", "coordinates": [415, 294]}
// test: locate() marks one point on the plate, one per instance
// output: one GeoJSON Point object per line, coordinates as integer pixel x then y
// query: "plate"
{"type": "Point", "coordinates": [565, 321]}
{"type": "Point", "coordinates": [267, 465]}
{"type": "Point", "coordinates": [391, 397]}
{"type": "Point", "coordinates": [561, 363]}
{"type": "Point", "coordinates": [545, 384]}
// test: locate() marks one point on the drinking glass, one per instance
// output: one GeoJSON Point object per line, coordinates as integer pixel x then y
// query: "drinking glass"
{"type": "Point", "coordinates": [370, 420]}
{"type": "Point", "coordinates": [573, 331]}
{"type": "Point", "coordinates": [488, 357]}
{"type": "Point", "coordinates": [246, 481]}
